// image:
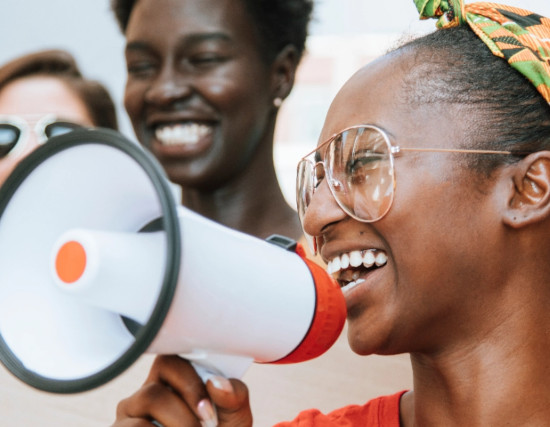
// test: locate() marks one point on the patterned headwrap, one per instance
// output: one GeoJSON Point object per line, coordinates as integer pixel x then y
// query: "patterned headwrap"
{"type": "Point", "coordinates": [517, 35]}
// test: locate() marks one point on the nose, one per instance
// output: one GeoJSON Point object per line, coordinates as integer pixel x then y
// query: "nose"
{"type": "Point", "coordinates": [322, 211]}
{"type": "Point", "coordinates": [33, 141]}
{"type": "Point", "coordinates": [170, 86]}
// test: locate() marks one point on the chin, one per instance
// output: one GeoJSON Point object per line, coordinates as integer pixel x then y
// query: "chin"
{"type": "Point", "coordinates": [368, 340]}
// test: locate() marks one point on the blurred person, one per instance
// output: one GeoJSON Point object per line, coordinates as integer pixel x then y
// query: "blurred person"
{"type": "Point", "coordinates": [435, 160]}
{"type": "Point", "coordinates": [43, 94]}
{"type": "Point", "coordinates": [205, 81]}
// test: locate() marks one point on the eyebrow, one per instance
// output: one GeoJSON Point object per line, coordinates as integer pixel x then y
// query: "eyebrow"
{"type": "Point", "coordinates": [317, 157]}
{"type": "Point", "coordinates": [194, 38]}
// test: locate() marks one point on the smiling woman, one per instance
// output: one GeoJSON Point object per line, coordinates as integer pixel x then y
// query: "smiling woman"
{"type": "Point", "coordinates": [205, 81]}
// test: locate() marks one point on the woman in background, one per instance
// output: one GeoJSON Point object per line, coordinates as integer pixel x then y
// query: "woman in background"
{"type": "Point", "coordinates": [205, 82]}
{"type": "Point", "coordinates": [43, 94]}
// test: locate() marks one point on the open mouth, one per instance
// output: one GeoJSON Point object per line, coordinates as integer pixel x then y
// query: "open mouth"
{"type": "Point", "coordinates": [350, 268]}
{"type": "Point", "coordinates": [189, 133]}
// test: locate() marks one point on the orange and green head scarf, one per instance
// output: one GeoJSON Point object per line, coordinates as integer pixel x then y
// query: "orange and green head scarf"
{"type": "Point", "coordinates": [520, 37]}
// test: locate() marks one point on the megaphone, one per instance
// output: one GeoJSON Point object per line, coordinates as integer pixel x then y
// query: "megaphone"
{"type": "Point", "coordinates": [98, 265]}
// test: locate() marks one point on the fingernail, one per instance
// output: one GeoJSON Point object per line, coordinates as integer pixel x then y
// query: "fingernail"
{"type": "Point", "coordinates": [222, 383]}
{"type": "Point", "coordinates": [207, 413]}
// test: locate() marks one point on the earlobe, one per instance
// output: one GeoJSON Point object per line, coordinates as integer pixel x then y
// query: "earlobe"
{"type": "Point", "coordinates": [284, 71]}
{"type": "Point", "coordinates": [529, 201]}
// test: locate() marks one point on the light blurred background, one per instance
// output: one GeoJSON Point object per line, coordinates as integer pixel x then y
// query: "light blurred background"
{"type": "Point", "coordinates": [345, 35]}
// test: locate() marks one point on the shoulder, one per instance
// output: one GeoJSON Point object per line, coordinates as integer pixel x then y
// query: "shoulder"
{"type": "Point", "coordinates": [379, 412]}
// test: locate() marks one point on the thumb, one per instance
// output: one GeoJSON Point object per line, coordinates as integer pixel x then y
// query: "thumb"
{"type": "Point", "coordinates": [231, 400]}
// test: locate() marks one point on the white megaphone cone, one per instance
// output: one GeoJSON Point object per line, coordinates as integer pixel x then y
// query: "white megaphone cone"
{"type": "Point", "coordinates": [99, 265]}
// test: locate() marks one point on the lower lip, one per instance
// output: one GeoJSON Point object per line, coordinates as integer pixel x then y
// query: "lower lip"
{"type": "Point", "coordinates": [367, 282]}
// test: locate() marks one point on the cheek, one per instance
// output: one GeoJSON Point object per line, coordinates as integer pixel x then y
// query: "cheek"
{"type": "Point", "coordinates": [134, 94]}
{"type": "Point", "coordinates": [442, 229]}
{"type": "Point", "coordinates": [238, 85]}
{"type": "Point", "coordinates": [230, 95]}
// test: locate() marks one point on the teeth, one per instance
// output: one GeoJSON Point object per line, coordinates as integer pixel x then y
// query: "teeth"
{"type": "Point", "coordinates": [344, 261]}
{"type": "Point", "coordinates": [182, 134]}
{"type": "Point", "coordinates": [354, 259]}
{"type": "Point", "coordinates": [334, 265]}
{"type": "Point", "coordinates": [369, 259]}
{"type": "Point", "coordinates": [352, 285]}
{"type": "Point", "coordinates": [381, 259]}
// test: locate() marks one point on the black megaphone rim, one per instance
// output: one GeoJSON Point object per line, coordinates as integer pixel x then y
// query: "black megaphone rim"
{"type": "Point", "coordinates": [170, 224]}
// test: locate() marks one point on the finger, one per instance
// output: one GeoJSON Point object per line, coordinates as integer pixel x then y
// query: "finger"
{"type": "Point", "coordinates": [231, 400]}
{"type": "Point", "coordinates": [182, 378]}
{"type": "Point", "coordinates": [155, 401]}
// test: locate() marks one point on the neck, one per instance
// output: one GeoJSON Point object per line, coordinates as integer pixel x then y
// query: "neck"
{"type": "Point", "coordinates": [498, 378]}
{"type": "Point", "coordinates": [252, 202]}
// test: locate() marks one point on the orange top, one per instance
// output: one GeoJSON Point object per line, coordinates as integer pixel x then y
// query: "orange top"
{"type": "Point", "coordinates": [380, 412]}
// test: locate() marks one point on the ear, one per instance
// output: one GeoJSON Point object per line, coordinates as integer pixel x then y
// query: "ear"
{"type": "Point", "coordinates": [284, 71]}
{"type": "Point", "coordinates": [529, 200]}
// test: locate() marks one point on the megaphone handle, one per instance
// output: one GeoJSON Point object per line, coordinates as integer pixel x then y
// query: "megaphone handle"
{"type": "Point", "coordinates": [208, 365]}
{"type": "Point", "coordinates": [204, 372]}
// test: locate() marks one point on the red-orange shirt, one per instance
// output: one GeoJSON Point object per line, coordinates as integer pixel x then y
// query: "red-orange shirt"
{"type": "Point", "coordinates": [380, 412]}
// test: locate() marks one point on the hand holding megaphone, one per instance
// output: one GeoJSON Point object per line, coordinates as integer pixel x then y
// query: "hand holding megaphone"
{"type": "Point", "coordinates": [99, 265]}
{"type": "Point", "coordinates": [173, 395]}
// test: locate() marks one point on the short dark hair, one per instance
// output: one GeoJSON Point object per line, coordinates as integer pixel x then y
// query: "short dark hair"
{"type": "Point", "coordinates": [279, 22]}
{"type": "Point", "coordinates": [61, 65]}
{"type": "Point", "coordinates": [454, 66]}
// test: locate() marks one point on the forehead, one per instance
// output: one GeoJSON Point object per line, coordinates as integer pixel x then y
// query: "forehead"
{"type": "Point", "coordinates": [375, 95]}
{"type": "Point", "coordinates": [168, 21]}
{"type": "Point", "coordinates": [369, 96]}
{"type": "Point", "coordinates": [42, 95]}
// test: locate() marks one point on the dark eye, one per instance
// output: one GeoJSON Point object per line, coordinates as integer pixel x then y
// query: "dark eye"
{"type": "Point", "coordinates": [141, 64]}
{"type": "Point", "coordinates": [207, 59]}
{"type": "Point", "coordinates": [141, 69]}
{"type": "Point", "coordinates": [360, 167]}
{"type": "Point", "coordinates": [319, 175]}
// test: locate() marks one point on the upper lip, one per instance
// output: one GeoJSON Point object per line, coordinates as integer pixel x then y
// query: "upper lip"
{"type": "Point", "coordinates": [159, 119]}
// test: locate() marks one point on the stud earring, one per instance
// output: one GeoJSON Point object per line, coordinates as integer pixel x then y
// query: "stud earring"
{"type": "Point", "coordinates": [277, 102]}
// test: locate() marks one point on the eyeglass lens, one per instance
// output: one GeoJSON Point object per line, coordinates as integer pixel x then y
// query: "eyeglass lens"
{"type": "Point", "coordinates": [9, 135]}
{"type": "Point", "coordinates": [359, 170]}
{"type": "Point", "coordinates": [59, 128]}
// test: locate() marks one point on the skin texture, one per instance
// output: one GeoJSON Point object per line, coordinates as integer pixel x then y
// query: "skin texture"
{"type": "Point", "coordinates": [465, 289]}
{"type": "Point", "coordinates": [205, 67]}
{"type": "Point", "coordinates": [37, 96]}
